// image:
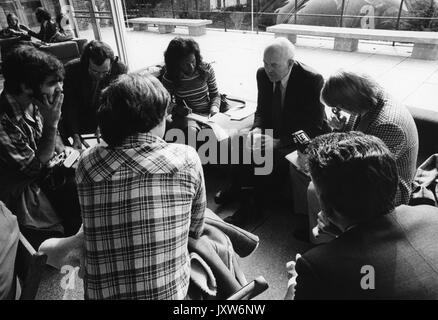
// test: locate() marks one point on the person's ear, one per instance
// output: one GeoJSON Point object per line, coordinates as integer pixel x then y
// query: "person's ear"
{"type": "Point", "coordinates": [290, 63]}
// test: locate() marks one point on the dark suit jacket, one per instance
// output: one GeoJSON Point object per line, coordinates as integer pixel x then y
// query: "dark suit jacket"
{"type": "Point", "coordinates": [401, 246]}
{"type": "Point", "coordinates": [302, 109]}
{"type": "Point", "coordinates": [79, 112]}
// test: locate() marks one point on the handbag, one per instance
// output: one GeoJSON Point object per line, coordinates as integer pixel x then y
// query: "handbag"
{"type": "Point", "coordinates": [228, 103]}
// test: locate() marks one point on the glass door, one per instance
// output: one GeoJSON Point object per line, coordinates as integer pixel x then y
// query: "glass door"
{"type": "Point", "coordinates": [89, 19]}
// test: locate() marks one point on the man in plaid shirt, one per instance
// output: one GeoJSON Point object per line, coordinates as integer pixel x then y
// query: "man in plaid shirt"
{"type": "Point", "coordinates": [140, 198]}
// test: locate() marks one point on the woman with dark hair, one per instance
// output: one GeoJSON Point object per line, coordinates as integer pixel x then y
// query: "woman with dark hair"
{"type": "Point", "coordinates": [48, 27]}
{"type": "Point", "coordinates": [190, 81]}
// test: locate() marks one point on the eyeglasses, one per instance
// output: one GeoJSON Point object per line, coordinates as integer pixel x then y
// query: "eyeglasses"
{"type": "Point", "coordinates": [99, 73]}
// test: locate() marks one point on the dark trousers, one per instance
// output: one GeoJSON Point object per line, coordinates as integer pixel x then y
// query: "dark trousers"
{"type": "Point", "coordinates": [265, 186]}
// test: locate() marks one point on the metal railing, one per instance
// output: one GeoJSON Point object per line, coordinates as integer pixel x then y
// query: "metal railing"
{"type": "Point", "coordinates": [258, 21]}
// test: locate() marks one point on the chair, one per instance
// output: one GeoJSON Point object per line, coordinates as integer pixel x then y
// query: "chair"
{"type": "Point", "coordinates": [29, 267]}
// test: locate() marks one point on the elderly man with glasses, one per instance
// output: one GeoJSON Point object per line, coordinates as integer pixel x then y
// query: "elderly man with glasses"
{"type": "Point", "coordinates": [85, 78]}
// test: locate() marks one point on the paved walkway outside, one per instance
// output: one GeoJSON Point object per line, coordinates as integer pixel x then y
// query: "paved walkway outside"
{"type": "Point", "coordinates": [237, 55]}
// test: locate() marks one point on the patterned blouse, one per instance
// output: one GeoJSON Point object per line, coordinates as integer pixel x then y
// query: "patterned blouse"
{"type": "Point", "coordinates": [198, 92]}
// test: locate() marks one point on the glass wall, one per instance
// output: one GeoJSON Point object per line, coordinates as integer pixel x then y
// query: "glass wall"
{"type": "Point", "coordinates": [93, 20]}
{"type": "Point", "coordinates": [258, 14]}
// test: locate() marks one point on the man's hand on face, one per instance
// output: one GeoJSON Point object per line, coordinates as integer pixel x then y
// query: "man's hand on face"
{"type": "Point", "coordinates": [51, 111]}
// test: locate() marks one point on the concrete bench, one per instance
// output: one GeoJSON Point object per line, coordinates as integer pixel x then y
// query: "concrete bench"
{"type": "Point", "coordinates": [197, 27]}
{"type": "Point", "coordinates": [347, 39]}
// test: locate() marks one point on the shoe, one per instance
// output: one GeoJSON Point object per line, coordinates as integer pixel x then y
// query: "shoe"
{"type": "Point", "coordinates": [302, 234]}
{"type": "Point", "coordinates": [226, 196]}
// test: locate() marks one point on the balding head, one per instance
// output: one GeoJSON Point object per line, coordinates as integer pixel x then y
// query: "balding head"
{"type": "Point", "coordinates": [282, 46]}
{"type": "Point", "coordinates": [278, 58]}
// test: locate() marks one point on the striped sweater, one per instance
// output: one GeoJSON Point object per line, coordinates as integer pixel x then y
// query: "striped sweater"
{"type": "Point", "coordinates": [200, 94]}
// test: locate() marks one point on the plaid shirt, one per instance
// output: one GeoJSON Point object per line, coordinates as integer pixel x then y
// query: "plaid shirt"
{"type": "Point", "coordinates": [19, 137]}
{"type": "Point", "coordinates": [394, 124]}
{"type": "Point", "coordinates": [139, 201]}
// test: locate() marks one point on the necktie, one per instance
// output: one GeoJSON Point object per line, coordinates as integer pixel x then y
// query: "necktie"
{"type": "Point", "coordinates": [276, 109]}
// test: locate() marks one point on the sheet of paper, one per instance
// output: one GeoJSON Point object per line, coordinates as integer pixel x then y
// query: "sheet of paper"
{"type": "Point", "coordinates": [215, 123]}
{"type": "Point", "coordinates": [240, 113]}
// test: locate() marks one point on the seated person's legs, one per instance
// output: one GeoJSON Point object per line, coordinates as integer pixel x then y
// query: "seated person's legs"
{"type": "Point", "coordinates": [64, 199]}
{"type": "Point", "coordinates": [188, 127]}
{"type": "Point", "coordinates": [239, 174]}
{"type": "Point", "coordinates": [299, 183]}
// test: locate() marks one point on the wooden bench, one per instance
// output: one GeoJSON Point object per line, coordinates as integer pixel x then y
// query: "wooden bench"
{"type": "Point", "coordinates": [347, 39]}
{"type": "Point", "coordinates": [197, 27]}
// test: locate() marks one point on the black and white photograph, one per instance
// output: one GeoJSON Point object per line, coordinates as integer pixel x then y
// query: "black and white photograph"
{"type": "Point", "coordinates": [219, 155]}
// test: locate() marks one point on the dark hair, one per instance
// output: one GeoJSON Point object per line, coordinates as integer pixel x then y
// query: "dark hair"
{"type": "Point", "coordinates": [178, 49]}
{"type": "Point", "coordinates": [355, 174]}
{"type": "Point", "coordinates": [98, 52]}
{"type": "Point", "coordinates": [131, 104]}
{"type": "Point", "coordinates": [351, 91]}
{"type": "Point", "coordinates": [42, 15]}
{"type": "Point", "coordinates": [27, 65]}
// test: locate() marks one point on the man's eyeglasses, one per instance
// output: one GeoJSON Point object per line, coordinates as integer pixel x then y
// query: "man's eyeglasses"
{"type": "Point", "coordinates": [98, 72]}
